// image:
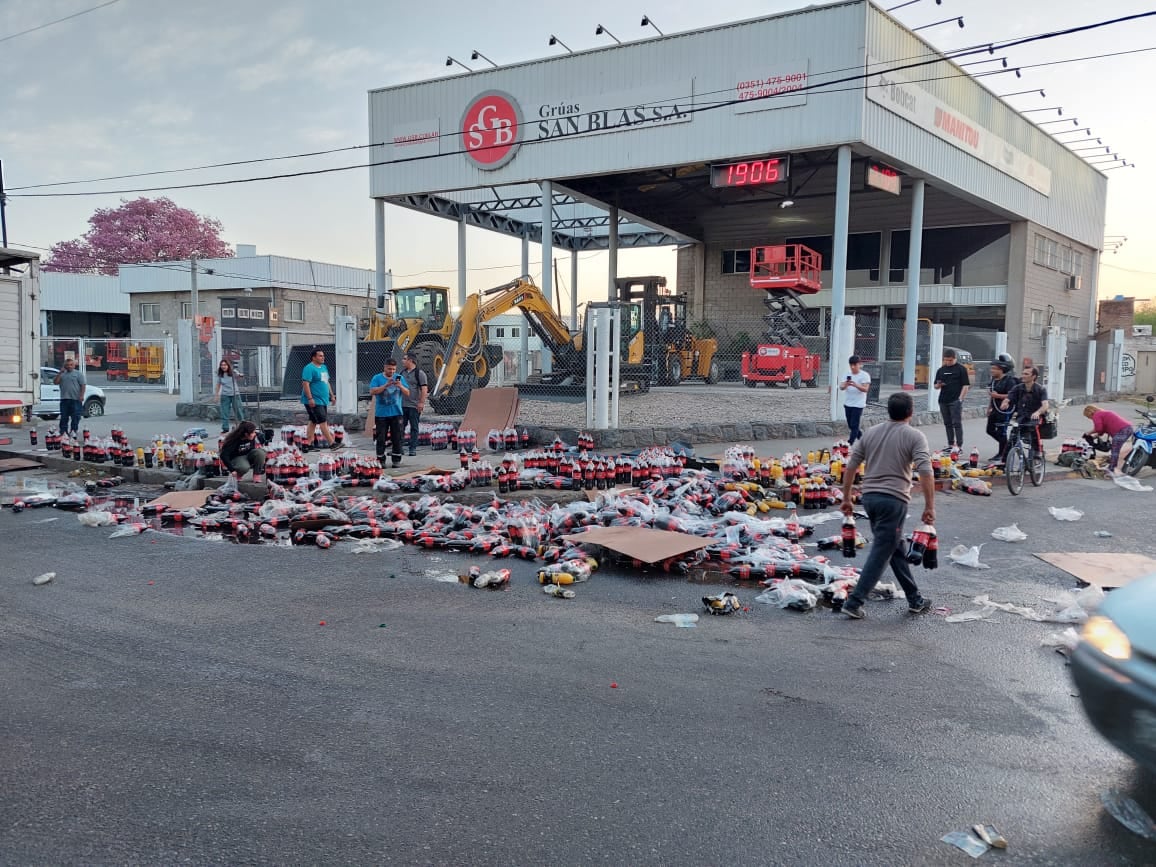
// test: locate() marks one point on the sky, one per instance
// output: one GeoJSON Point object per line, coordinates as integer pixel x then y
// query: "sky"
{"type": "Point", "coordinates": [145, 85]}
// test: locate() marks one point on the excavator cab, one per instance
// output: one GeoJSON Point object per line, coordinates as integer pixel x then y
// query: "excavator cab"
{"type": "Point", "coordinates": [426, 304]}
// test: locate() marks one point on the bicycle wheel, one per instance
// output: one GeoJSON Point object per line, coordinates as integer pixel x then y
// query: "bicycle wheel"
{"type": "Point", "coordinates": [1036, 466]}
{"type": "Point", "coordinates": [1014, 469]}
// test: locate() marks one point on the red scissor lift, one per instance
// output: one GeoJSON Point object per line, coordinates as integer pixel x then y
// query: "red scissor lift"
{"type": "Point", "coordinates": [786, 272]}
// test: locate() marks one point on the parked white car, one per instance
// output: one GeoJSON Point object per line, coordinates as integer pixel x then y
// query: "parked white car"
{"type": "Point", "coordinates": [49, 405]}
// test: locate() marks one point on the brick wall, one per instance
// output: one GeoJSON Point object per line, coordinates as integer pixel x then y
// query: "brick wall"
{"type": "Point", "coordinates": [1117, 314]}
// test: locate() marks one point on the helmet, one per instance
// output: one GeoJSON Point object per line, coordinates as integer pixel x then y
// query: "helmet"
{"type": "Point", "coordinates": [1004, 362]}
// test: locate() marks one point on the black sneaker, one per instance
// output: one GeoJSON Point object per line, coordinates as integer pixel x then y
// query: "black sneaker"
{"type": "Point", "coordinates": [856, 613]}
{"type": "Point", "coordinates": [922, 608]}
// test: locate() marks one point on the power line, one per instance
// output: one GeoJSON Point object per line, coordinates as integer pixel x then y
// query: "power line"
{"type": "Point", "coordinates": [823, 88]}
{"type": "Point", "coordinates": [819, 88]}
{"type": "Point", "coordinates": [57, 21]}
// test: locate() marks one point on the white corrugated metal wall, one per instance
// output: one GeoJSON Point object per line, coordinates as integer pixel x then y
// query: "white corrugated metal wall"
{"type": "Point", "coordinates": [827, 42]}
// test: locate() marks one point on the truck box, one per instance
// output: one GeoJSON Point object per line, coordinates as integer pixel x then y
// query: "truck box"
{"type": "Point", "coordinates": [19, 327]}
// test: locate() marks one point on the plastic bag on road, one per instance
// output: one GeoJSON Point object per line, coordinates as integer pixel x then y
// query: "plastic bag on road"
{"type": "Point", "coordinates": [1129, 483]}
{"type": "Point", "coordinates": [1065, 513]}
{"type": "Point", "coordinates": [374, 546]}
{"type": "Point", "coordinates": [962, 555]}
{"type": "Point", "coordinates": [791, 593]}
{"type": "Point", "coordinates": [1066, 640]}
{"type": "Point", "coordinates": [1009, 534]}
{"type": "Point", "coordinates": [1075, 608]}
{"type": "Point", "coordinates": [682, 620]}
{"type": "Point", "coordinates": [1129, 814]}
{"type": "Point", "coordinates": [965, 842]}
{"type": "Point", "coordinates": [975, 614]}
{"type": "Point", "coordinates": [41, 580]}
{"type": "Point", "coordinates": [128, 530]}
{"type": "Point", "coordinates": [96, 519]}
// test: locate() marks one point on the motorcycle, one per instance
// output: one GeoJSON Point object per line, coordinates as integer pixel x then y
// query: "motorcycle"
{"type": "Point", "coordinates": [1143, 441]}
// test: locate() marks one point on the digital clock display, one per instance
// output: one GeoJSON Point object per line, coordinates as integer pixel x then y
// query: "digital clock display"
{"type": "Point", "coordinates": [751, 173]}
{"type": "Point", "coordinates": [883, 177]}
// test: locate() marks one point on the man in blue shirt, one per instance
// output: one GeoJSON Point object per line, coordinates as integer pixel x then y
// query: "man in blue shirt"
{"type": "Point", "coordinates": [388, 388]}
{"type": "Point", "coordinates": [316, 395]}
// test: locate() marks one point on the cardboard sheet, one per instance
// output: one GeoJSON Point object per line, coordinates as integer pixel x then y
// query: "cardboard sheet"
{"type": "Point", "coordinates": [490, 409]}
{"type": "Point", "coordinates": [1104, 570]}
{"type": "Point", "coordinates": [183, 499]}
{"type": "Point", "coordinates": [8, 465]}
{"type": "Point", "coordinates": [413, 474]}
{"type": "Point", "coordinates": [649, 546]}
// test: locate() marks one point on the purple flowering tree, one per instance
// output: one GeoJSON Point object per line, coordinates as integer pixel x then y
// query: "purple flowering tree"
{"type": "Point", "coordinates": [143, 230]}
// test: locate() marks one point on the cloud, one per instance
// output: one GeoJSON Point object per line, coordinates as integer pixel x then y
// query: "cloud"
{"type": "Point", "coordinates": [307, 59]}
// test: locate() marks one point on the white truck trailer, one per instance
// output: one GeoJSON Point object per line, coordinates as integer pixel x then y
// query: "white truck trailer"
{"type": "Point", "coordinates": [19, 330]}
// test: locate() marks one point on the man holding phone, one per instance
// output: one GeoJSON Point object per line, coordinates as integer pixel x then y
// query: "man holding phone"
{"type": "Point", "coordinates": [952, 383]}
{"type": "Point", "coordinates": [855, 387]}
{"type": "Point", "coordinates": [387, 390]}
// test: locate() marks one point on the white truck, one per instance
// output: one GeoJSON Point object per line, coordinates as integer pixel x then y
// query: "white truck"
{"type": "Point", "coordinates": [19, 327]}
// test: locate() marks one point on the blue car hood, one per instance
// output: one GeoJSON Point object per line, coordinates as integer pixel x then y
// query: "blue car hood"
{"type": "Point", "coordinates": [1133, 607]}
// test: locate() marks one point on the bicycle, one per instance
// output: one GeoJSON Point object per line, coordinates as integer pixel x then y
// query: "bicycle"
{"type": "Point", "coordinates": [1022, 459]}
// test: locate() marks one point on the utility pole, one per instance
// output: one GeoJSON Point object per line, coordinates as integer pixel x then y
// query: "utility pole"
{"type": "Point", "coordinates": [196, 359]}
{"type": "Point", "coordinates": [3, 202]}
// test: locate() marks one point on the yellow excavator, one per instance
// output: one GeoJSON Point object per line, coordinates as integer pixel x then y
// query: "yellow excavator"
{"type": "Point", "coordinates": [466, 347]}
{"type": "Point", "coordinates": [420, 322]}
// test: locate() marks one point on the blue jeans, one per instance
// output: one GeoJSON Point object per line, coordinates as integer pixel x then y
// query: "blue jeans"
{"type": "Point", "coordinates": [70, 413]}
{"type": "Point", "coordinates": [853, 413]}
{"type": "Point", "coordinates": [886, 514]}
{"type": "Point", "coordinates": [411, 417]}
{"type": "Point", "coordinates": [229, 404]}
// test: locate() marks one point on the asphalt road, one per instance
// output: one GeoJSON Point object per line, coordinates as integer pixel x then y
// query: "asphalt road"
{"type": "Point", "coordinates": [208, 717]}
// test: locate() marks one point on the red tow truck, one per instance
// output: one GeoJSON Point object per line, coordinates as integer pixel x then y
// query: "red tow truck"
{"type": "Point", "coordinates": [786, 272]}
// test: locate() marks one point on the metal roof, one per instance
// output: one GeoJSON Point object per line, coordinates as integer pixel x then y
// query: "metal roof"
{"type": "Point", "coordinates": [82, 293]}
{"type": "Point", "coordinates": [252, 272]}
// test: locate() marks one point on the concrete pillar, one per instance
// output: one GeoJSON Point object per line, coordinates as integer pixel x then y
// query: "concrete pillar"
{"type": "Point", "coordinates": [914, 260]}
{"type": "Point", "coordinates": [934, 355]}
{"type": "Point", "coordinates": [188, 362]}
{"type": "Point", "coordinates": [615, 363]}
{"type": "Point", "coordinates": [1000, 343]}
{"type": "Point", "coordinates": [881, 342]}
{"type": "Point", "coordinates": [1115, 367]}
{"type": "Point", "coordinates": [524, 340]}
{"type": "Point", "coordinates": [345, 364]}
{"type": "Point", "coordinates": [1092, 281]}
{"type": "Point", "coordinates": [170, 365]}
{"type": "Point", "coordinates": [839, 265]}
{"type": "Point", "coordinates": [602, 365]}
{"type": "Point", "coordinates": [612, 249]}
{"type": "Point", "coordinates": [839, 365]}
{"type": "Point", "coordinates": [1090, 378]}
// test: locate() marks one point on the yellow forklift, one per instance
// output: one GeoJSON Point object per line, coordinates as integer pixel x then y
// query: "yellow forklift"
{"type": "Point", "coordinates": [668, 346]}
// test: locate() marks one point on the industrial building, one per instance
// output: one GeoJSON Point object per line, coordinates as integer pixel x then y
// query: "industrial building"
{"type": "Point", "coordinates": [836, 127]}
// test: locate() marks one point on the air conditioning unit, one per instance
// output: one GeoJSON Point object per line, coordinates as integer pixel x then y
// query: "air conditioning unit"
{"type": "Point", "coordinates": [1074, 282]}
{"type": "Point", "coordinates": [274, 316]}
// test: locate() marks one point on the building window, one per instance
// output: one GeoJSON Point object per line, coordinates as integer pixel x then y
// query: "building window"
{"type": "Point", "coordinates": [516, 331]}
{"type": "Point", "coordinates": [294, 311]}
{"type": "Point", "coordinates": [1036, 325]}
{"type": "Point", "coordinates": [1077, 263]}
{"type": "Point", "coordinates": [499, 332]}
{"type": "Point", "coordinates": [336, 310]}
{"type": "Point", "coordinates": [1047, 252]}
{"type": "Point", "coordinates": [150, 314]}
{"type": "Point", "coordinates": [736, 261]}
{"type": "Point", "coordinates": [1066, 260]}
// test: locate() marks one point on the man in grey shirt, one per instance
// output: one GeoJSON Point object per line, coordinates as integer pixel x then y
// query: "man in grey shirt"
{"type": "Point", "coordinates": [890, 450]}
{"type": "Point", "coordinates": [72, 388]}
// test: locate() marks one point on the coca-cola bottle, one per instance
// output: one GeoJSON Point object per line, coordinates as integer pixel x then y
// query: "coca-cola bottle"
{"type": "Point", "coordinates": [918, 547]}
{"type": "Point", "coordinates": [849, 534]}
{"type": "Point", "coordinates": [973, 458]}
{"type": "Point", "coordinates": [931, 555]}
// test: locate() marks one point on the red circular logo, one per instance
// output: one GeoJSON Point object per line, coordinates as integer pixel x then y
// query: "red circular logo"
{"type": "Point", "coordinates": [491, 129]}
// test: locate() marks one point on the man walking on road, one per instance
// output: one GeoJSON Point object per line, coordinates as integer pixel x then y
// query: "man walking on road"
{"type": "Point", "coordinates": [890, 450]}
{"type": "Point", "coordinates": [413, 403]}
{"type": "Point", "coordinates": [72, 387]}
{"type": "Point", "coordinates": [316, 395]}
{"type": "Point", "coordinates": [952, 383]}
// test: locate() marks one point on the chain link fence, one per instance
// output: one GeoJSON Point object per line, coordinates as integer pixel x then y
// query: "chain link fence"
{"type": "Point", "coordinates": [114, 363]}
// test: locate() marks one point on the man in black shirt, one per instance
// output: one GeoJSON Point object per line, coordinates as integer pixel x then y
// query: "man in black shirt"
{"type": "Point", "coordinates": [1002, 383]}
{"type": "Point", "coordinates": [952, 382]}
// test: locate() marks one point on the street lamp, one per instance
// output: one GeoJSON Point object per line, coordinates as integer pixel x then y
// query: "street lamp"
{"type": "Point", "coordinates": [646, 22]}
{"type": "Point", "coordinates": [554, 40]}
{"type": "Point", "coordinates": [599, 30]}
{"type": "Point", "coordinates": [450, 61]}
{"type": "Point", "coordinates": [475, 54]}
{"type": "Point", "coordinates": [957, 19]}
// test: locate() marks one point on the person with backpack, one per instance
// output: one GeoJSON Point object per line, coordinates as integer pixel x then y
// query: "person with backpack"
{"type": "Point", "coordinates": [413, 403]}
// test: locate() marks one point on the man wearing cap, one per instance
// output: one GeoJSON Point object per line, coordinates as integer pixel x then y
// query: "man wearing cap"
{"type": "Point", "coordinates": [413, 404]}
{"type": "Point", "coordinates": [1002, 382]}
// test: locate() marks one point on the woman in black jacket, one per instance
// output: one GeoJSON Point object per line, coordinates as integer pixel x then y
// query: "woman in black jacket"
{"type": "Point", "coordinates": [241, 452]}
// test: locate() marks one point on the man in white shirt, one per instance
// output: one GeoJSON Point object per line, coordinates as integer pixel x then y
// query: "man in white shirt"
{"type": "Point", "coordinates": [855, 386]}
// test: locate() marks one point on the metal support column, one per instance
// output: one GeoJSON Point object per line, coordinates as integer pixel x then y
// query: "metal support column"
{"type": "Point", "coordinates": [461, 263]}
{"type": "Point", "coordinates": [379, 249]}
{"type": "Point", "coordinates": [1092, 278]}
{"type": "Point", "coordinates": [881, 340]}
{"type": "Point", "coordinates": [935, 353]}
{"type": "Point", "coordinates": [547, 255]}
{"type": "Point", "coordinates": [839, 268]}
{"type": "Point", "coordinates": [345, 364]}
{"type": "Point", "coordinates": [524, 339]}
{"type": "Point", "coordinates": [914, 261]}
{"type": "Point", "coordinates": [573, 290]}
{"type": "Point", "coordinates": [612, 261]}
{"type": "Point", "coordinates": [615, 362]}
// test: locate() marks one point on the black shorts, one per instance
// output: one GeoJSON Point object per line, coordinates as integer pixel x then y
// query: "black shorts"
{"type": "Point", "coordinates": [318, 413]}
